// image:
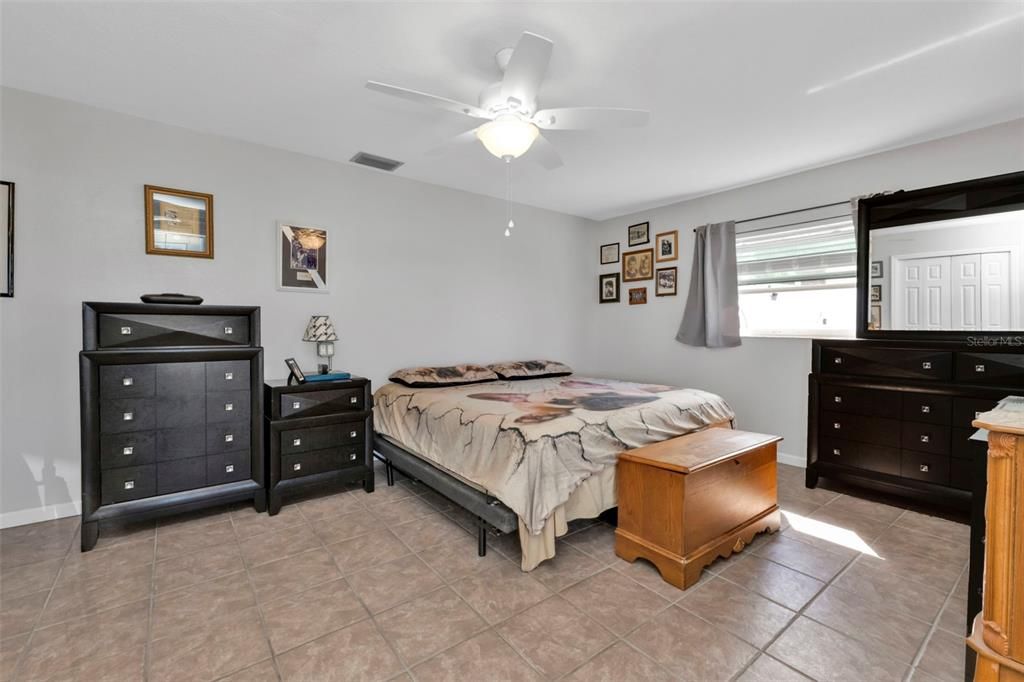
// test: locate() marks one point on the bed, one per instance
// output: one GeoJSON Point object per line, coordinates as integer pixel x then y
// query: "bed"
{"type": "Point", "coordinates": [544, 448]}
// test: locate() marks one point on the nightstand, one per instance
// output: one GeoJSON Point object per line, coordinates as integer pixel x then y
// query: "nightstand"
{"type": "Point", "coordinates": [315, 433]}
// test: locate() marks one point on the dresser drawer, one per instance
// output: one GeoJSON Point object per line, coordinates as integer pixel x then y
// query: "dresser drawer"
{"type": "Point", "coordinates": [127, 381]}
{"type": "Point", "coordinates": [319, 437]}
{"type": "Point", "coordinates": [227, 406]}
{"type": "Point", "coordinates": [966, 410]}
{"type": "Point", "coordinates": [130, 414]}
{"type": "Point", "coordinates": [127, 449]}
{"type": "Point", "coordinates": [232, 375]}
{"type": "Point", "coordinates": [860, 428]}
{"type": "Point", "coordinates": [866, 401]}
{"type": "Point", "coordinates": [180, 443]}
{"type": "Point", "coordinates": [313, 403]}
{"type": "Point", "coordinates": [933, 438]}
{"type": "Point", "coordinates": [962, 447]}
{"type": "Point", "coordinates": [128, 483]}
{"type": "Point", "coordinates": [990, 368]}
{"type": "Point", "coordinates": [866, 456]}
{"type": "Point", "coordinates": [318, 461]}
{"type": "Point", "coordinates": [227, 437]}
{"type": "Point", "coordinates": [157, 331]}
{"type": "Point", "coordinates": [180, 474]}
{"type": "Point", "coordinates": [960, 474]}
{"type": "Point", "coordinates": [924, 407]}
{"type": "Point", "coordinates": [887, 362]}
{"type": "Point", "coordinates": [227, 467]}
{"type": "Point", "coordinates": [922, 466]}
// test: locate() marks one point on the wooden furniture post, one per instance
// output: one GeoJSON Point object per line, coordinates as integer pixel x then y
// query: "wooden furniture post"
{"type": "Point", "coordinates": [998, 632]}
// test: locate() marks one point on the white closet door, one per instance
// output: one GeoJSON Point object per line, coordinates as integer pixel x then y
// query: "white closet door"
{"type": "Point", "coordinates": [965, 273]}
{"type": "Point", "coordinates": [926, 294]}
{"type": "Point", "coordinates": [996, 296]}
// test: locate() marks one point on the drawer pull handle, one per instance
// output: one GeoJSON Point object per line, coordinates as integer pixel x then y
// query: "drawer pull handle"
{"type": "Point", "coordinates": [836, 425]}
{"type": "Point", "coordinates": [353, 434]}
{"type": "Point", "coordinates": [296, 404]}
{"type": "Point", "coordinates": [836, 452]}
{"type": "Point", "coordinates": [129, 485]}
{"type": "Point", "coordinates": [926, 365]}
{"type": "Point", "coordinates": [352, 457]}
{"type": "Point", "coordinates": [925, 439]}
{"type": "Point", "coordinates": [297, 466]}
{"type": "Point", "coordinates": [354, 399]}
{"type": "Point", "coordinates": [229, 438]}
{"type": "Point", "coordinates": [128, 381]}
{"type": "Point", "coordinates": [923, 467]}
{"type": "Point", "coordinates": [979, 368]}
{"type": "Point", "coordinates": [128, 416]}
{"type": "Point", "coordinates": [126, 331]}
{"type": "Point", "coordinates": [296, 441]}
{"type": "Point", "coordinates": [926, 409]}
{"type": "Point", "coordinates": [128, 450]}
{"type": "Point", "coordinates": [229, 376]}
{"type": "Point", "coordinates": [229, 330]}
{"type": "Point", "coordinates": [838, 398]}
{"type": "Point", "coordinates": [229, 468]}
{"type": "Point", "coordinates": [229, 407]}
{"type": "Point", "coordinates": [837, 361]}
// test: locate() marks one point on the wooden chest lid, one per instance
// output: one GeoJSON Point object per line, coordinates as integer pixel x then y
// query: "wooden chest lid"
{"type": "Point", "coordinates": [696, 451]}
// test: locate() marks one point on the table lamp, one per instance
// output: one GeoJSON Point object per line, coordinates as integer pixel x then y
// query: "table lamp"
{"type": "Point", "coordinates": [321, 330]}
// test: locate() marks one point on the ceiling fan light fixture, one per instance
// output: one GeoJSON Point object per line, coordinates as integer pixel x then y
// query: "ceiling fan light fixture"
{"type": "Point", "coordinates": [507, 136]}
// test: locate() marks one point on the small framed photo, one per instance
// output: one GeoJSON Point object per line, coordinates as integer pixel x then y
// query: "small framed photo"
{"type": "Point", "coordinates": [638, 296]}
{"type": "Point", "coordinates": [667, 246]}
{"type": "Point", "coordinates": [302, 258]}
{"type": "Point", "coordinates": [7, 239]}
{"type": "Point", "coordinates": [609, 253]}
{"type": "Point", "coordinates": [178, 222]}
{"type": "Point", "coordinates": [638, 265]}
{"type": "Point", "coordinates": [639, 234]}
{"type": "Point", "coordinates": [876, 269]}
{"type": "Point", "coordinates": [875, 320]}
{"type": "Point", "coordinates": [608, 288]}
{"type": "Point", "coordinates": [665, 282]}
{"type": "Point", "coordinates": [876, 293]}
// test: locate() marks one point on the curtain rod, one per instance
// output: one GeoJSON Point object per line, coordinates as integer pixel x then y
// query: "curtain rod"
{"type": "Point", "coordinates": [799, 210]}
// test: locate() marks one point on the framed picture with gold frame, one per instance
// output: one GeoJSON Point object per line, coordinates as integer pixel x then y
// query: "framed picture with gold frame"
{"type": "Point", "coordinates": [638, 265]}
{"type": "Point", "coordinates": [667, 245]}
{"type": "Point", "coordinates": [178, 222]}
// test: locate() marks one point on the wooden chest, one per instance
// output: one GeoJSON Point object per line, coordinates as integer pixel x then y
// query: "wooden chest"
{"type": "Point", "coordinates": [686, 501]}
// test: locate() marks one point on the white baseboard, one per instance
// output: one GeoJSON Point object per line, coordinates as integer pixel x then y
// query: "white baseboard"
{"type": "Point", "coordinates": [792, 460]}
{"type": "Point", "coordinates": [50, 512]}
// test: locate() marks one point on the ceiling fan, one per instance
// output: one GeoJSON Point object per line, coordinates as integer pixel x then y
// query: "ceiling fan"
{"type": "Point", "coordinates": [510, 107]}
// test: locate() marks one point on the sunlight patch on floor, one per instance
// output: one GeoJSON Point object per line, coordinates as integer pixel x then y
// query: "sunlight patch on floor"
{"type": "Point", "coordinates": [828, 532]}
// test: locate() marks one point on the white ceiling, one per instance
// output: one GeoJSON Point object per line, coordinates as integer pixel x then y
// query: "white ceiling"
{"type": "Point", "coordinates": [727, 83]}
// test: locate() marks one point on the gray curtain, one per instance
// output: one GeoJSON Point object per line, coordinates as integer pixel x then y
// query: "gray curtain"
{"type": "Point", "coordinates": [712, 314]}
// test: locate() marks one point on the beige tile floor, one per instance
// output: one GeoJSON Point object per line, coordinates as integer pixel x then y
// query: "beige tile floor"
{"type": "Point", "coordinates": [350, 586]}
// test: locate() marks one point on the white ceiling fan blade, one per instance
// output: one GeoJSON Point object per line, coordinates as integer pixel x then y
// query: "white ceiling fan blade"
{"type": "Point", "coordinates": [544, 153]}
{"type": "Point", "coordinates": [526, 68]}
{"type": "Point", "coordinates": [459, 140]}
{"type": "Point", "coordinates": [584, 118]}
{"type": "Point", "coordinates": [428, 99]}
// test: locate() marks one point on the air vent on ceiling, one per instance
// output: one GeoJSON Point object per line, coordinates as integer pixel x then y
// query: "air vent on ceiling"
{"type": "Point", "coordinates": [378, 162]}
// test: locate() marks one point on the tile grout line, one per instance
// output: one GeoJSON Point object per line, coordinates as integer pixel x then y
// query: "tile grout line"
{"type": "Point", "coordinates": [146, 663]}
{"type": "Point", "coordinates": [935, 623]}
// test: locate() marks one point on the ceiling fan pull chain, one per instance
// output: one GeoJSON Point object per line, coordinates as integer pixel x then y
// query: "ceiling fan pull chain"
{"type": "Point", "coordinates": [508, 196]}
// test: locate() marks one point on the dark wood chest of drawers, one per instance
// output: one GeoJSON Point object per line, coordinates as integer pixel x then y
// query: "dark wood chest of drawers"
{"type": "Point", "coordinates": [171, 411]}
{"type": "Point", "coordinates": [317, 432]}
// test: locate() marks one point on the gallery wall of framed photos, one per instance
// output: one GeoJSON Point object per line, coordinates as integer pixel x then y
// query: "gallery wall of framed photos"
{"type": "Point", "coordinates": [639, 265]}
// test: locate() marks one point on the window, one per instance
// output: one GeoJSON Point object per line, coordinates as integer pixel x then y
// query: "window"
{"type": "Point", "coordinates": [798, 278]}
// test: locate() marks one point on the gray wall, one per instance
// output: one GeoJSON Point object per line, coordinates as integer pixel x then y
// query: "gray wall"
{"type": "Point", "coordinates": [424, 271]}
{"type": "Point", "coordinates": [765, 379]}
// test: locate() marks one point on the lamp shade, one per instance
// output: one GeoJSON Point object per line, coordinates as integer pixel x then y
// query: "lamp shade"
{"type": "Point", "coordinates": [320, 328]}
{"type": "Point", "coordinates": [507, 136]}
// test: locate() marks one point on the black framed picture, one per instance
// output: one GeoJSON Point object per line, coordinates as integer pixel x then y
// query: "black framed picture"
{"type": "Point", "coordinates": [876, 293]}
{"type": "Point", "coordinates": [294, 372]}
{"type": "Point", "coordinates": [7, 239]}
{"type": "Point", "coordinates": [609, 253]}
{"type": "Point", "coordinates": [608, 288]}
{"type": "Point", "coordinates": [639, 234]}
{"type": "Point", "coordinates": [876, 269]}
{"type": "Point", "coordinates": [665, 282]}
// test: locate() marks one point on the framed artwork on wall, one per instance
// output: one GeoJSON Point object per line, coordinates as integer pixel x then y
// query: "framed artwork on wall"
{"type": "Point", "coordinates": [6, 239]}
{"type": "Point", "coordinates": [876, 269]}
{"type": "Point", "coordinates": [875, 320]}
{"type": "Point", "coordinates": [302, 258]}
{"type": "Point", "coordinates": [639, 234]}
{"type": "Point", "coordinates": [876, 293]}
{"type": "Point", "coordinates": [178, 222]}
{"type": "Point", "coordinates": [638, 296]}
{"type": "Point", "coordinates": [637, 265]}
{"type": "Point", "coordinates": [667, 246]}
{"type": "Point", "coordinates": [665, 282]}
{"type": "Point", "coordinates": [608, 288]}
{"type": "Point", "coordinates": [609, 253]}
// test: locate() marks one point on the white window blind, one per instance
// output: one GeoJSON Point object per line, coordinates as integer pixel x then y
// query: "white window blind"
{"type": "Point", "coordinates": [805, 254]}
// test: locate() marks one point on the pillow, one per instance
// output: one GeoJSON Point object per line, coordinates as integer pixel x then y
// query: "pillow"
{"type": "Point", "coordinates": [425, 377]}
{"type": "Point", "coordinates": [530, 369]}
